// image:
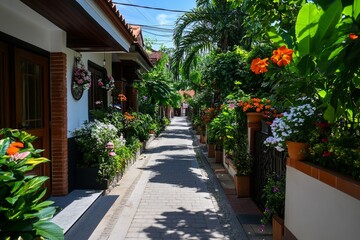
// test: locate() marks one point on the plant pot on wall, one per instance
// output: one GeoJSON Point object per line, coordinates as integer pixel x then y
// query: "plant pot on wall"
{"type": "Point", "coordinates": [211, 150]}
{"type": "Point", "coordinates": [202, 139]}
{"type": "Point", "coordinates": [242, 185]}
{"type": "Point", "coordinates": [297, 151]}
{"type": "Point", "coordinates": [254, 117]}
{"type": "Point", "coordinates": [219, 156]}
{"type": "Point", "coordinates": [277, 227]}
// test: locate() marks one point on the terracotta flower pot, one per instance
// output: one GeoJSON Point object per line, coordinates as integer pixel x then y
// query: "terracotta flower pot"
{"type": "Point", "coordinates": [242, 185]}
{"type": "Point", "coordinates": [202, 139]}
{"type": "Point", "coordinates": [211, 150]}
{"type": "Point", "coordinates": [219, 156]}
{"type": "Point", "coordinates": [297, 150]}
{"type": "Point", "coordinates": [254, 117]}
{"type": "Point", "coordinates": [277, 227]}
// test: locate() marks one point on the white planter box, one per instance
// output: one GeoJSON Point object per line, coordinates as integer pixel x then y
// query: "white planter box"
{"type": "Point", "coordinates": [315, 210]}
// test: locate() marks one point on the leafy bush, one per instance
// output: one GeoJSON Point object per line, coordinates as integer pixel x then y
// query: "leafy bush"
{"type": "Point", "coordinates": [101, 147]}
{"type": "Point", "coordinates": [274, 196]}
{"type": "Point", "coordinates": [337, 150]}
{"type": "Point", "coordinates": [92, 138]}
{"type": "Point", "coordinates": [23, 214]}
{"type": "Point", "coordinates": [133, 144]}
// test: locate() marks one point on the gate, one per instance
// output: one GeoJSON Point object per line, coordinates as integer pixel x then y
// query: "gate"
{"type": "Point", "coordinates": [266, 161]}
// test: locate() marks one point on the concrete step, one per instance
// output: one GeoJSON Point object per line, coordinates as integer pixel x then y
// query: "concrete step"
{"type": "Point", "coordinates": [73, 206]}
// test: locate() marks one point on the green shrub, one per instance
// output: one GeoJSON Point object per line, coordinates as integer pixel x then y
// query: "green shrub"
{"type": "Point", "coordinates": [23, 214]}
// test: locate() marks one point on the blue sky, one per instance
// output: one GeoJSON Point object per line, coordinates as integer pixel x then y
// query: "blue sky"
{"type": "Point", "coordinates": [155, 18]}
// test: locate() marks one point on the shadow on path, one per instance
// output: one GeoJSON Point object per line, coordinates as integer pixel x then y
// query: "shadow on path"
{"type": "Point", "coordinates": [185, 224]}
{"type": "Point", "coordinates": [176, 170]}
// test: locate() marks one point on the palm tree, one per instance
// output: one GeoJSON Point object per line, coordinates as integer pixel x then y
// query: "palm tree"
{"type": "Point", "coordinates": [213, 24]}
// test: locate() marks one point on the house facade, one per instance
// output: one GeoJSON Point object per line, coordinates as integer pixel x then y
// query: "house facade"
{"type": "Point", "coordinates": [39, 43]}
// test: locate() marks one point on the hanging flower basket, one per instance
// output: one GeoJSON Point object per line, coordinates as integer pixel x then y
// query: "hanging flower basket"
{"type": "Point", "coordinates": [81, 76]}
{"type": "Point", "coordinates": [108, 83]}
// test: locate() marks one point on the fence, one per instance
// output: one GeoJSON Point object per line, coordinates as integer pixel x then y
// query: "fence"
{"type": "Point", "coordinates": [266, 161]}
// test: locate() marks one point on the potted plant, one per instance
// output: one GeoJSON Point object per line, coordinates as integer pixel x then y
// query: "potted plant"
{"type": "Point", "coordinates": [274, 196]}
{"type": "Point", "coordinates": [97, 141]}
{"type": "Point", "coordinates": [294, 126]}
{"type": "Point", "coordinates": [210, 143]}
{"type": "Point", "coordinates": [254, 107]}
{"type": "Point", "coordinates": [243, 162]}
{"type": "Point", "coordinates": [107, 83]}
{"type": "Point", "coordinates": [338, 149]}
{"type": "Point", "coordinates": [82, 76]}
{"type": "Point", "coordinates": [217, 129]}
{"type": "Point", "coordinates": [153, 128]}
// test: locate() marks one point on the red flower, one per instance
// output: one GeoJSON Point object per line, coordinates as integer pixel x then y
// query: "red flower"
{"type": "Point", "coordinates": [326, 154]}
{"type": "Point", "coordinates": [353, 36]}
{"type": "Point", "coordinates": [324, 140]}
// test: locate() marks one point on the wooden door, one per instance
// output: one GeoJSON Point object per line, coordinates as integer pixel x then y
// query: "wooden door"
{"type": "Point", "coordinates": [32, 102]}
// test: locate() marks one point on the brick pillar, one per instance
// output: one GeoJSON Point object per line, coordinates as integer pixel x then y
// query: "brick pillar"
{"type": "Point", "coordinates": [58, 101]}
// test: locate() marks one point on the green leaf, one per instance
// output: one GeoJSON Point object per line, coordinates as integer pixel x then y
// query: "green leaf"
{"type": "Point", "coordinates": [12, 200]}
{"type": "Point", "coordinates": [306, 27]}
{"type": "Point", "coordinates": [275, 37]}
{"type": "Point", "coordinates": [327, 22]}
{"type": "Point", "coordinates": [4, 146]}
{"type": "Point", "coordinates": [49, 230]}
{"type": "Point", "coordinates": [356, 9]}
{"type": "Point", "coordinates": [36, 161]}
{"type": "Point", "coordinates": [322, 93]}
{"type": "Point", "coordinates": [348, 10]}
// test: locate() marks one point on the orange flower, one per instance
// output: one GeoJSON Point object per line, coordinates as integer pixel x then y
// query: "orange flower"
{"type": "Point", "coordinates": [254, 104]}
{"type": "Point", "coordinates": [282, 56]}
{"type": "Point", "coordinates": [122, 97]}
{"type": "Point", "coordinates": [14, 148]}
{"type": "Point", "coordinates": [353, 36]}
{"type": "Point", "coordinates": [259, 65]}
{"type": "Point", "coordinates": [128, 116]}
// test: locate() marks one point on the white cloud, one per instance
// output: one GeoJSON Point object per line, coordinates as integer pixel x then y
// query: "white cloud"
{"type": "Point", "coordinates": [165, 19]}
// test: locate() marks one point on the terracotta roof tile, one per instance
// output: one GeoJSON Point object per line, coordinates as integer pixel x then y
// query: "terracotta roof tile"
{"type": "Point", "coordinates": [121, 17]}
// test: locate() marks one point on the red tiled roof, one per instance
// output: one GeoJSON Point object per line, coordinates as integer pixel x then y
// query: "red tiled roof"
{"type": "Point", "coordinates": [121, 18]}
{"type": "Point", "coordinates": [138, 34]}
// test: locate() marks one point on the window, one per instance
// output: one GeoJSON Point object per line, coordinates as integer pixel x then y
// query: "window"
{"type": "Point", "coordinates": [96, 93]}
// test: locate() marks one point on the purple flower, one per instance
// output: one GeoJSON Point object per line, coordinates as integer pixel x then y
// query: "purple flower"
{"type": "Point", "coordinates": [262, 228]}
{"type": "Point", "coordinates": [275, 189]}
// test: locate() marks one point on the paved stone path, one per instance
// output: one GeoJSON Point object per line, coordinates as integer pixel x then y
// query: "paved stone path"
{"type": "Point", "coordinates": [166, 195]}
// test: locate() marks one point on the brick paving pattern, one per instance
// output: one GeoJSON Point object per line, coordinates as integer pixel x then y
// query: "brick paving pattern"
{"type": "Point", "coordinates": [173, 197]}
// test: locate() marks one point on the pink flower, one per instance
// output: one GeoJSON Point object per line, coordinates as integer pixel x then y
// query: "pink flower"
{"type": "Point", "coordinates": [112, 154]}
{"type": "Point", "coordinates": [100, 84]}
{"type": "Point", "coordinates": [110, 145]}
{"type": "Point", "coordinates": [20, 156]}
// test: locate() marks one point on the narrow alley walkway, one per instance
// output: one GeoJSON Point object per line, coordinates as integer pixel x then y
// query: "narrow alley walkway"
{"type": "Point", "coordinates": [165, 195]}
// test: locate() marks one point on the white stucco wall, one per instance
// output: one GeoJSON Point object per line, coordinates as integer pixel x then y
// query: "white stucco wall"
{"type": "Point", "coordinates": [316, 211]}
{"type": "Point", "coordinates": [78, 109]}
